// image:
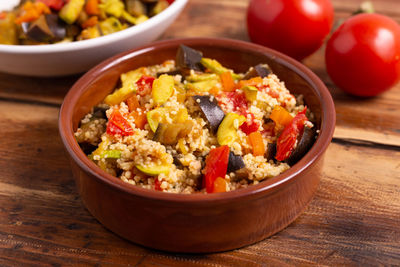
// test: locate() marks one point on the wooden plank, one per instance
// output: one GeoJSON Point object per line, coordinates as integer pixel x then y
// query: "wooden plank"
{"type": "Point", "coordinates": [352, 220]}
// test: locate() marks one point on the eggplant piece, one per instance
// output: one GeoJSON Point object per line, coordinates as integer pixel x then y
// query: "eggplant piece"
{"type": "Point", "coordinates": [235, 162]}
{"type": "Point", "coordinates": [188, 59]}
{"type": "Point", "coordinates": [87, 148]}
{"type": "Point", "coordinates": [39, 30]}
{"type": "Point", "coordinates": [304, 144]}
{"type": "Point", "coordinates": [57, 27]}
{"type": "Point", "coordinates": [171, 73]}
{"type": "Point", "coordinates": [271, 151]}
{"type": "Point", "coordinates": [99, 112]}
{"type": "Point", "coordinates": [211, 111]}
{"type": "Point", "coordinates": [47, 28]}
{"type": "Point", "coordinates": [261, 70]}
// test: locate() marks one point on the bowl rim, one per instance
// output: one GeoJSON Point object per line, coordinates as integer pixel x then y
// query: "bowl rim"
{"type": "Point", "coordinates": [328, 118]}
{"type": "Point", "coordinates": [99, 41]}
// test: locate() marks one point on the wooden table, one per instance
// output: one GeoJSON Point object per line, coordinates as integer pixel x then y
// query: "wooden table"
{"type": "Point", "coordinates": [354, 218]}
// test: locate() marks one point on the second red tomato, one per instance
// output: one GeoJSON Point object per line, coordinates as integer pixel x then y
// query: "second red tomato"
{"type": "Point", "coordinates": [294, 27]}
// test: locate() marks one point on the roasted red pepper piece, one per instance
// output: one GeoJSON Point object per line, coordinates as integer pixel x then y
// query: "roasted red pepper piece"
{"type": "Point", "coordinates": [53, 4]}
{"type": "Point", "coordinates": [216, 166]}
{"type": "Point", "coordinates": [144, 85]}
{"type": "Point", "coordinates": [117, 124]}
{"type": "Point", "coordinates": [287, 139]}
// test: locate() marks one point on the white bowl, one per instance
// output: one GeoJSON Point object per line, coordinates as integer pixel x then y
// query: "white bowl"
{"type": "Point", "coordinates": [76, 57]}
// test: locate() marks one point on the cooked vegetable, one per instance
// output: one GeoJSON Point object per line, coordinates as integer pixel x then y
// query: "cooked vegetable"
{"type": "Point", "coordinates": [227, 130]}
{"type": "Point", "coordinates": [76, 19]}
{"type": "Point", "coordinates": [111, 25]}
{"type": "Point", "coordinates": [250, 92]}
{"type": "Point", "coordinates": [235, 162]}
{"type": "Point", "coordinates": [155, 116]}
{"type": "Point", "coordinates": [216, 166]}
{"type": "Point", "coordinates": [188, 58]}
{"type": "Point", "coordinates": [227, 81]}
{"type": "Point", "coordinates": [99, 112]}
{"type": "Point", "coordinates": [154, 170]}
{"type": "Point", "coordinates": [216, 67]}
{"type": "Point", "coordinates": [31, 12]}
{"type": "Point", "coordinates": [45, 28]}
{"type": "Point", "coordinates": [271, 151]}
{"type": "Point", "coordinates": [129, 87]}
{"type": "Point", "coordinates": [53, 4]}
{"type": "Point", "coordinates": [210, 109]}
{"type": "Point", "coordinates": [203, 86]}
{"type": "Point", "coordinates": [70, 12]}
{"type": "Point", "coordinates": [219, 185]}
{"type": "Point", "coordinates": [117, 124]}
{"type": "Point", "coordinates": [57, 27]}
{"type": "Point", "coordinates": [281, 116]}
{"type": "Point", "coordinates": [92, 7]}
{"type": "Point", "coordinates": [287, 140]}
{"type": "Point", "coordinates": [260, 70]}
{"type": "Point", "coordinates": [303, 146]}
{"type": "Point", "coordinates": [8, 30]}
{"type": "Point", "coordinates": [159, 7]}
{"type": "Point", "coordinates": [169, 134]}
{"type": "Point", "coordinates": [112, 7]}
{"type": "Point", "coordinates": [163, 87]}
{"type": "Point", "coordinates": [257, 143]}
{"type": "Point", "coordinates": [135, 7]}
{"type": "Point", "coordinates": [140, 119]}
{"type": "Point", "coordinates": [111, 154]}
{"type": "Point", "coordinates": [196, 77]}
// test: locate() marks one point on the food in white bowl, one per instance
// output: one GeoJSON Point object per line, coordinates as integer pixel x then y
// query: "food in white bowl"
{"type": "Point", "coordinates": [75, 57]}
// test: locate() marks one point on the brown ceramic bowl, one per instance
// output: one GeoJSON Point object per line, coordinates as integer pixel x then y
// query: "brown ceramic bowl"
{"type": "Point", "coordinates": [197, 223]}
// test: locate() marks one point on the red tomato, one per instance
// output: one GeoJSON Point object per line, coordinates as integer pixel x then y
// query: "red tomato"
{"type": "Point", "coordinates": [238, 100]}
{"type": "Point", "coordinates": [216, 166]}
{"type": "Point", "coordinates": [145, 84]}
{"type": "Point", "coordinates": [157, 185]}
{"type": "Point", "coordinates": [249, 126]}
{"type": "Point", "coordinates": [287, 140]}
{"type": "Point", "coordinates": [117, 124]}
{"type": "Point", "coordinates": [363, 55]}
{"type": "Point", "coordinates": [294, 27]}
{"type": "Point", "coordinates": [53, 4]}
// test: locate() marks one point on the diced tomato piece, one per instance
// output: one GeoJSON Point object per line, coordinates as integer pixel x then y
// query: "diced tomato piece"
{"type": "Point", "coordinates": [117, 124]}
{"type": "Point", "coordinates": [157, 184]}
{"type": "Point", "coordinates": [216, 166]}
{"type": "Point", "coordinates": [170, 1]}
{"type": "Point", "coordinates": [238, 100]}
{"type": "Point", "coordinates": [249, 126]}
{"type": "Point", "coordinates": [287, 139]}
{"type": "Point", "coordinates": [53, 4]}
{"type": "Point", "coordinates": [145, 84]}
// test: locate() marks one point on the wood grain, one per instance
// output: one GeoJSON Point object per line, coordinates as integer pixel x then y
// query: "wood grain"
{"type": "Point", "coordinates": [354, 218]}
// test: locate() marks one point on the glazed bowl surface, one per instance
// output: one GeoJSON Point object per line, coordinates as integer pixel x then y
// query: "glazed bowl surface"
{"type": "Point", "coordinates": [77, 57]}
{"type": "Point", "coordinates": [197, 223]}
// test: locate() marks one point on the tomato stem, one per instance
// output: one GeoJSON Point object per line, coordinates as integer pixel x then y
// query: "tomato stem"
{"type": "Point", "coordinates": [365, 7]}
